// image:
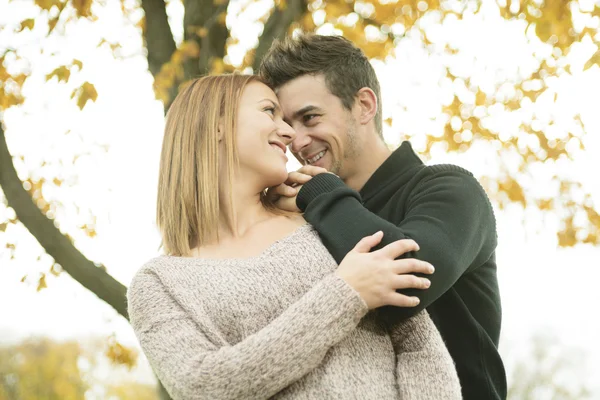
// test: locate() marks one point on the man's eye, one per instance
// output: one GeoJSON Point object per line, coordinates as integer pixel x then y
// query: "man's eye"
{"type": "Point", "coordinates": [309, 117]}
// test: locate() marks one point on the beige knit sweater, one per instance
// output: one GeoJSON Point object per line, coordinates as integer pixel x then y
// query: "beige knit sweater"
{"type": "Point", "coordinates": [280, 325]}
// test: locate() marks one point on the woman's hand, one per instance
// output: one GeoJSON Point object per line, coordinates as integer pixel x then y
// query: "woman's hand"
{"type": "Point", "coordinates": [377, 275]}
{"type": "Point", "coordinates": [284, 195]}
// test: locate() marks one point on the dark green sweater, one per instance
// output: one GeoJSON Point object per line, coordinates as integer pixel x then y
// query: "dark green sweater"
{"type": "Point", "coordinates": [446, 211]}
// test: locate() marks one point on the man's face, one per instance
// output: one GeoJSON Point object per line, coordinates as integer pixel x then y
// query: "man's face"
{"type": "Point", "coordinates": [325, 130]}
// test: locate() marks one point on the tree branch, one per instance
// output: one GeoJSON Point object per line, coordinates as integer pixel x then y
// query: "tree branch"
{"type": "Point", "coordinates": [158, 36]}
{"type": "Point", "coordinates": [204, 14]}
{"type": "Point", "coordinates": [55, 243]}
{"type": "Point", "coordinates": [277, 27]}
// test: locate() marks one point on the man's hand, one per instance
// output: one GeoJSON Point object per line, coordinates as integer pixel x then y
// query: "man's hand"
{"type": "Point", "coordinates": [284, 195]}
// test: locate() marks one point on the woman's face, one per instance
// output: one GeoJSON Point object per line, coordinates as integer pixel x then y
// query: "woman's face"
{"type": "Point", "coordinates": [262, 136]}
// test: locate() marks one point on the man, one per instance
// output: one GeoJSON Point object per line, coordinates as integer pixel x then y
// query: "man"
{"type": "Point", "coordinates": [330, 95]}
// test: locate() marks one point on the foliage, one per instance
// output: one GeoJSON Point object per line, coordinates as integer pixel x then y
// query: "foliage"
{"type": "Point", "coordinates": [202, 39]}
{"type": "Point", "coordinates": [45, 369]}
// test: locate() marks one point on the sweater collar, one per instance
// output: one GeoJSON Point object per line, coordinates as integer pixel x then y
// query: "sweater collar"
{"type": "Point", "coordinates": [400, 161]}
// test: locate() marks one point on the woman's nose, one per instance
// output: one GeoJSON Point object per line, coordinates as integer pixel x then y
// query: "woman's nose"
{"type": "Point", "coordinates": [286, 132]}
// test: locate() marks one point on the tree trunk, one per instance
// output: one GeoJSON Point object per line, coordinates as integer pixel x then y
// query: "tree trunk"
{"type": "Point", "coordinates": [204, 14]}
{"type": "Point", "coordinates": [160, 44]}
{"type": "Point", "coordinates": [277, 27]}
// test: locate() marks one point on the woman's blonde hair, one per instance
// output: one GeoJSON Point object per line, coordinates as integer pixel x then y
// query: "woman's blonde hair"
{"type": "Point", "coordinates": [188, 206]}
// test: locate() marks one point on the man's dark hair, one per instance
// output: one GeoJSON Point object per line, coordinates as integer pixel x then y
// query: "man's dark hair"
{"type": "Point", "coordinates": [344, 66]}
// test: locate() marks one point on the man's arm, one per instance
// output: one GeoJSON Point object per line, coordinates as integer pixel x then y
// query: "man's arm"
{"type": "Point", "coordinates": [448, 214]}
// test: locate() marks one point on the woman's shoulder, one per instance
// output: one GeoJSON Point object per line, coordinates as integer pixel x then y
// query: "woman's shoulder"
{"type": "Point", "coordinates": [154, 273]}
{"type": "Point", "coordinates": [146, 274]}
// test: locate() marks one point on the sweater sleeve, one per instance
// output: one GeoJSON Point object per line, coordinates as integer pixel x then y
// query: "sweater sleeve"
{"type": "Point", "coordinates": [424, 367]}
{"type": "Point", "coordinates": [448, 214]}
{"type": "Point", "coordinates": [192, 366]}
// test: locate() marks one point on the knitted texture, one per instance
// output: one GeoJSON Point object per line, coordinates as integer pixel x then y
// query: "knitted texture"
{"type": "Point", "coordinates": [279, 325]}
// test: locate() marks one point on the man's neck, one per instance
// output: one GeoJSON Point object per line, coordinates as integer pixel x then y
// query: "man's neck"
{"type": "Point", "coordinates": [372, 155]}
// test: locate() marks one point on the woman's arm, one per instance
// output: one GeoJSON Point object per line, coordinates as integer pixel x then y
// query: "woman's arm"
{"type": "Point", "coordinates": [424, 367]}
{"type": "Point", "coordinates": [191, 365]}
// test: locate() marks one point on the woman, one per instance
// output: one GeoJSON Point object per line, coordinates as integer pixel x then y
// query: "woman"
{"type": "Point", "coordinates": [248, 303]}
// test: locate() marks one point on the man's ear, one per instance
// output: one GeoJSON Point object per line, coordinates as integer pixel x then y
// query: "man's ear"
{"type": "Point", "coordinates": [366, 100]}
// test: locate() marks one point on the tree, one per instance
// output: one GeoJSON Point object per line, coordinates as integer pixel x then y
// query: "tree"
{"type": "Point", "coordinates": [549, 371]}
{"type": "Point", "coordinates": [377, 27]}
{"type": "Point", "coordinates": [42, 368]}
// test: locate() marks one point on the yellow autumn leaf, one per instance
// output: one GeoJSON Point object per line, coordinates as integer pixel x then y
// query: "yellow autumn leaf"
{"type": "Point", "coordinates": [4, 75]}
{"type": "Point", "coordinates": [42, 283]}
{"type": "Point", "coordinates": [120, 354]}
{"type": "Point", "coordinates": [19, 79]}
{"type": "Point", "coordinates": [87, 92]}
{"type": "Point", "coordinates": [190, 49]}
{"type": "Point", "coordinates": [161, 94]}
{"type": "Point", "coordinates": [513, 190]}
{"type": "Point", "coordinates": [83, 7]}
{"type": "Point", "coordinates": [9, 99]}
{"type": "Point", "coordinates": [28, 23]}
{"type": "Point", "coordinates": [62, 73]}
{"type": "Point", "coordinates": [338, 8]}
{"type": "Point", "coordinates": [222, 18]}
{"type": "Point", "coordinates": [568, 236]}
{"type": "Point", "coordinates": [52, 24]}
{"type": "Point", "coordinates": [142, 24]}
{"type": "Point", "coordinates": [592, 216]}
{"type": "Point", "coordinates": [546, 204]}
{"type": "Point", "coordinates": [281, 4]}
{"type": "Point", "coordinates": [594, 60]}
{"type": "Point", "coordinates": [44, 4]}
{"type": "Point", "coordinates": [202, 32]}
{"type": "Point", "coordinates": [307, 22]}
{"type": "Point", "coordinates": [3, 226]}
{"type": "Point", "coordinates": [78, 63]}
{"type": "Point", "coordinates": [177, 57]}
{"type": "Point", "coordinates": [55, 269]}
{"type": "Point", "coordinates": [218, 66]}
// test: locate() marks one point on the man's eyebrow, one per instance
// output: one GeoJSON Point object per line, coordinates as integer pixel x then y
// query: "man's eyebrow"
{"type": "Point", "coordinates": [304, 110]}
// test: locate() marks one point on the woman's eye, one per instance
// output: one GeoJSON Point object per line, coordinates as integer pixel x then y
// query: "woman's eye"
{"type": "Point", "coordinates": [270, 110]}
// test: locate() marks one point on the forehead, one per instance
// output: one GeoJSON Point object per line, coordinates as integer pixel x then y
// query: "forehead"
{"type": "Point", "coordinates": [256, 91]}
{"type": "Point", "coordinates": [306, 90]}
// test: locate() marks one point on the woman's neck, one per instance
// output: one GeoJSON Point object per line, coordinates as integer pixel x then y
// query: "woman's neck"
{"type": "Point", "coordinates": [246, 211]}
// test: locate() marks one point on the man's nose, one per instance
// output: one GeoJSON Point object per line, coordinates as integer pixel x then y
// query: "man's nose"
{"type": "Point", "coordinates": [301, 140]}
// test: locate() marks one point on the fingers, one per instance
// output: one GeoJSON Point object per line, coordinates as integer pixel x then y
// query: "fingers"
{"type": "Point", "coordinates": [272, 194]}
{"type": "Point", "coordinates": [400, 300]}
{"type": "Point", "coordinates": [311, 170]}
{"type": "Point", "coordinates": [412, 265]}
{"type": "Point", "coordinates": [368, 242]}
{"type": "Point", "coordinates": [297, 178]}
{"type": "Point", "coordinates": [410, 282]}
{"type": "Point", "coordinates": [287, 204]}
{"type": "Point", "coordinates": [282, 190]}
{"type": "Point", "coordinates": [398, 248]}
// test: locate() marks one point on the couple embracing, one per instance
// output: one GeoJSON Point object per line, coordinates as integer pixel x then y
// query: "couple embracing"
{"type": "Point", "coordinates": [364, 275]}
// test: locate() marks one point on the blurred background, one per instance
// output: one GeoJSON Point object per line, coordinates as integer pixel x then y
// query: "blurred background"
{"type": "Point", "coordinates": [507, 89]}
